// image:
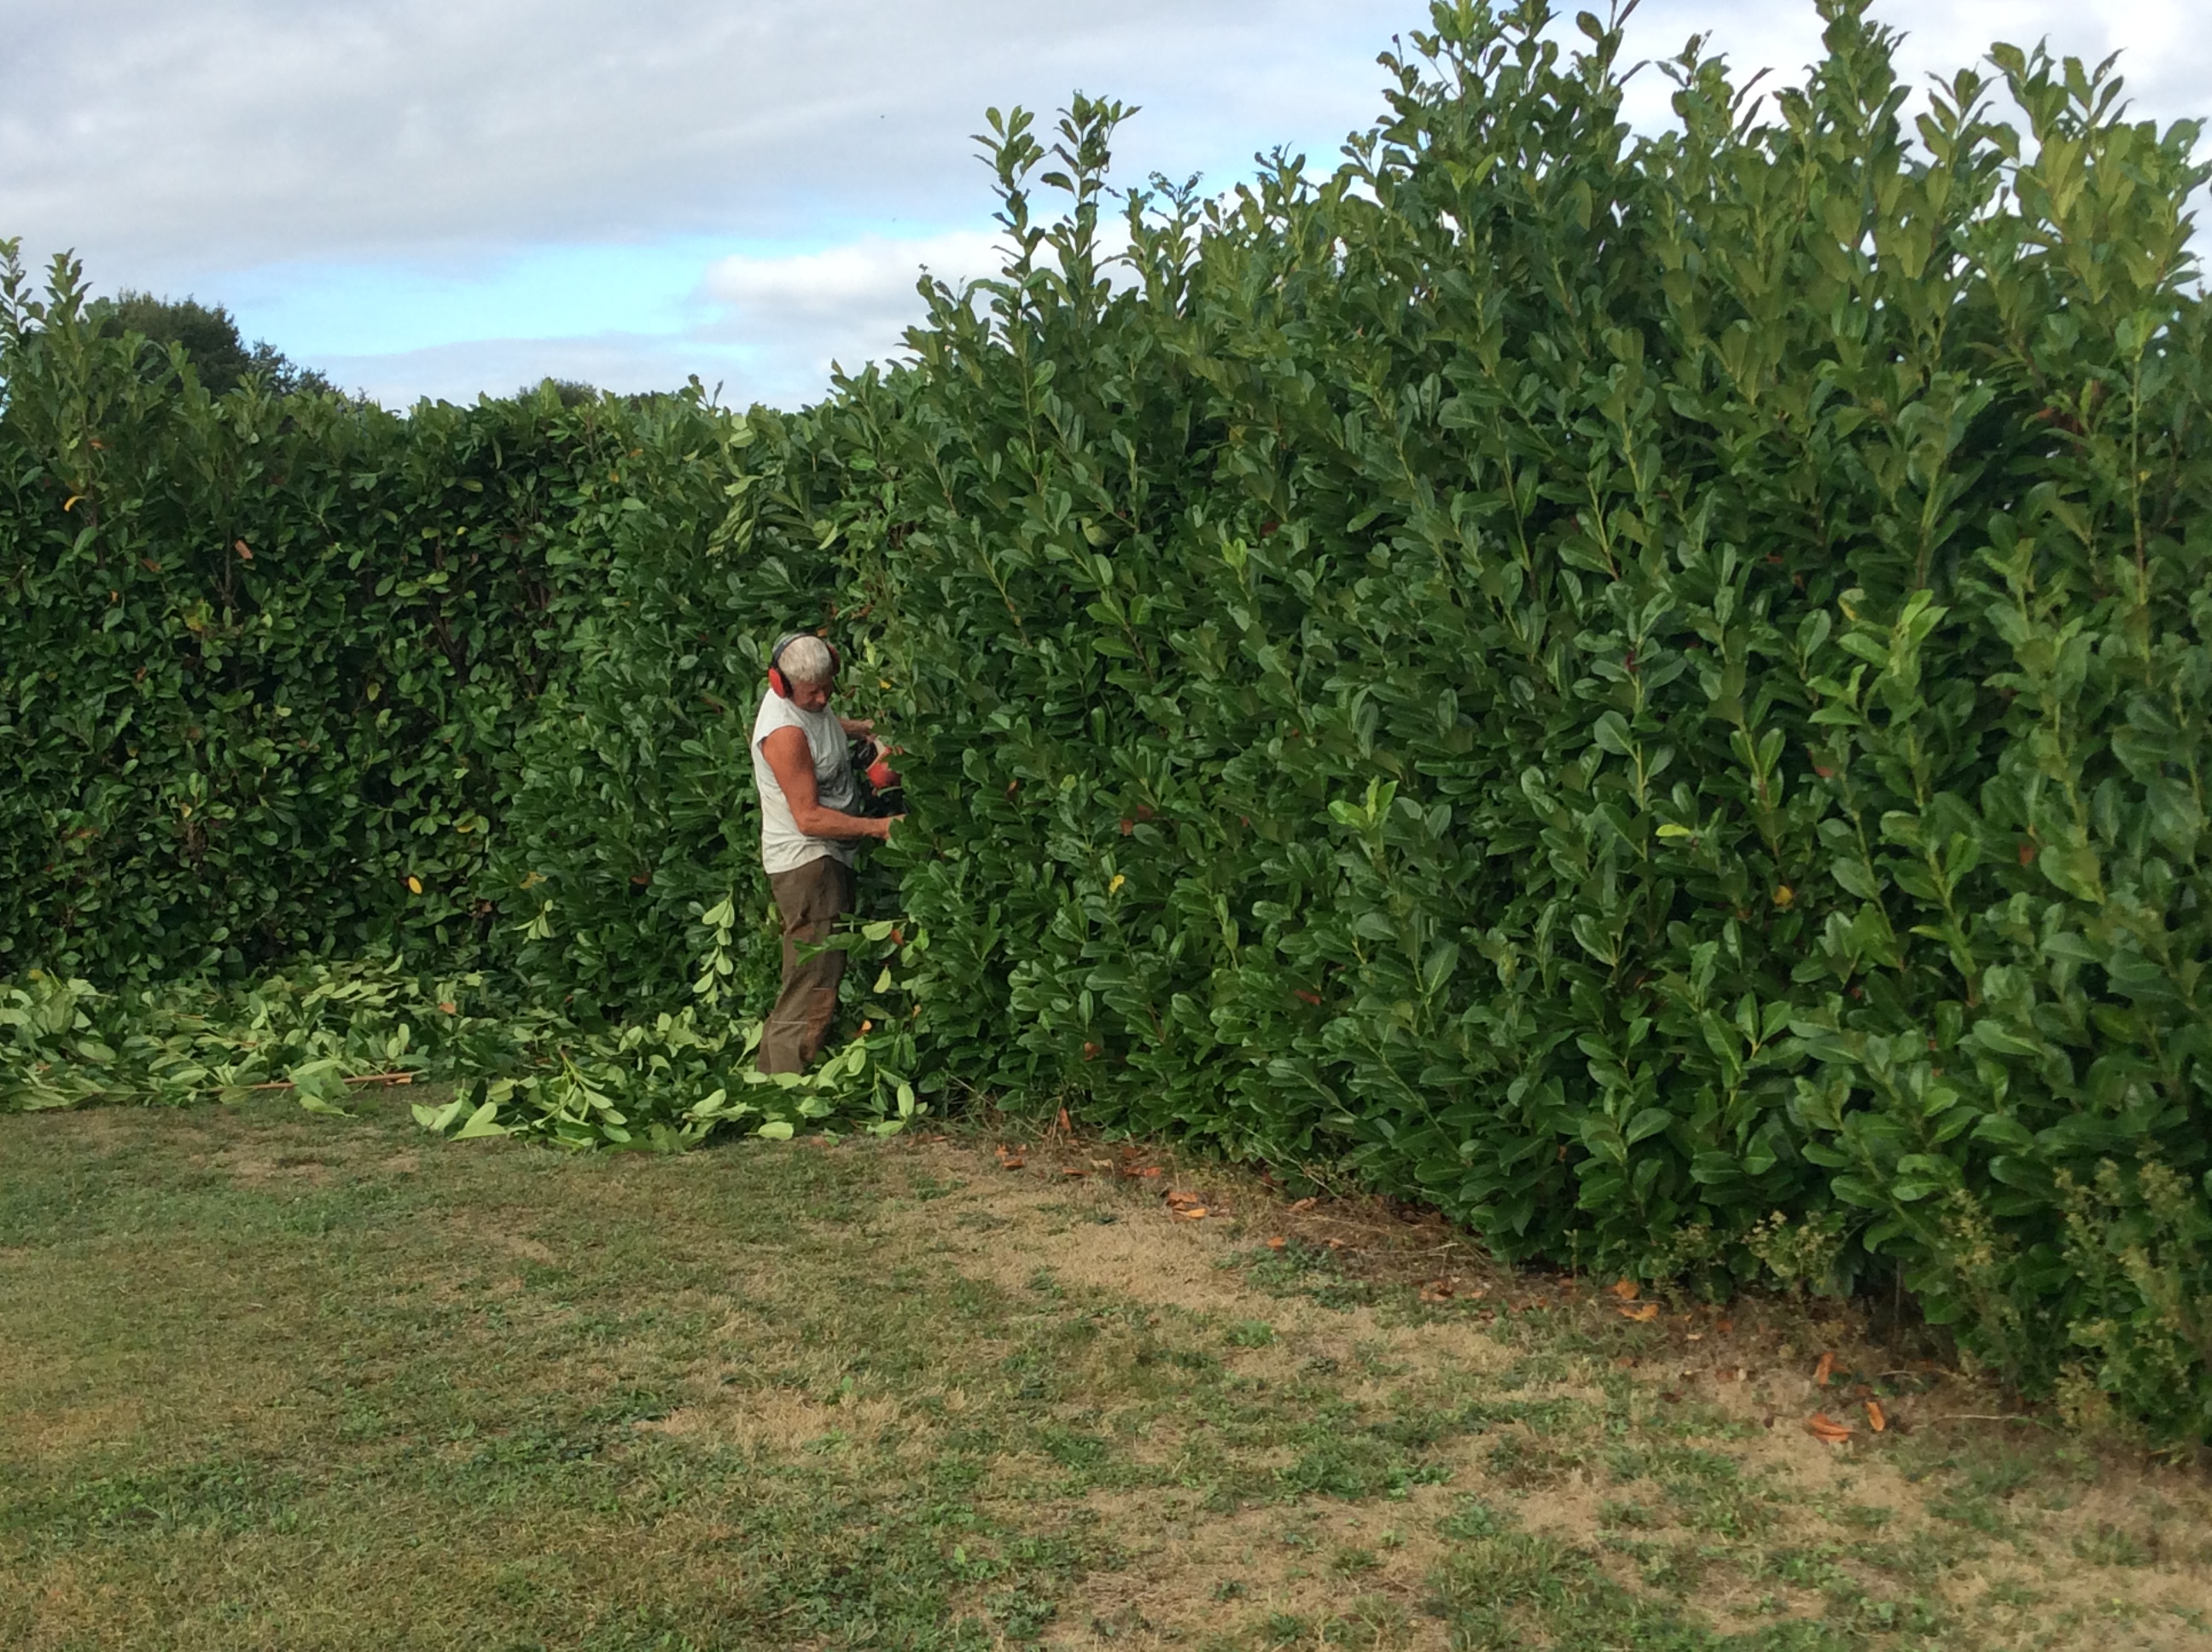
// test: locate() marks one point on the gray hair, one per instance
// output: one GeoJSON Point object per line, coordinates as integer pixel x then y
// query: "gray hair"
{"type": "Point", "coordinates": [808, 660]}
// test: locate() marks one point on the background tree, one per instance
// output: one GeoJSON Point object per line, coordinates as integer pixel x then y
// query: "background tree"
{"type": "Point", "coordinates": [210, 337]}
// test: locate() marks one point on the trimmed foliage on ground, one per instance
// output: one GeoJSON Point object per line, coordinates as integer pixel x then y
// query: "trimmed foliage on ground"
{"type": "Point", "coordinates": [1649, 692]}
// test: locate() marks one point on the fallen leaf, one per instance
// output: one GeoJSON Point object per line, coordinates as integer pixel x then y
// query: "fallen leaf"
{"type": "Point", "coordinates": [1725, 1327]}
{"type": "Point", "coordinates": [1149, 1170]}
{"type": "Point", "coordinates": [449, 1008]}
{"type": "Point", "coordinates": [1876, 1419]}
{"type": "Point", "coordinates": [1825, 1370]}
{"type": "Point", "coordinates": [1696, 1336]}
{"type": "Point", "coordinates": [1643, 1315]}
{"type": "Point", "coordinates": [1063, 1124]}
{"type": "Point", "coordinates": [1102, 1164]}
{"type": "Point", "coordinates": [1190, 1213]}
{"type": "Point", "coordinates": [1071, 1170]}
{"type": "Point", "coordinates": [1303, 1204]}
{"type": "Point", "coordinates": [1437, 1290]}
{"type": "Point", "coordinates": [1821, 1426]}
{"type": "Point", "coordinates": [1333, 1244]}
{"type": "Point", "coordinates": [414, 884]}
{"type": "Point", "coordinates": [1178, 1196]}
{"type": "Point", "coordinates": [1277, 1242]}
{"type": "Point", "coordinates": [1626, 1290]}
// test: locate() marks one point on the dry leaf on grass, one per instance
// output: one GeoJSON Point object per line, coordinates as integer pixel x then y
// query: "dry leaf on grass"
{"type": "Point", "coordinates": [1277, 1242]}
{"type": "Point", "coordinates": [1009, 1160]}
{"type": "Point", "coordinates": [1626, 1290]}
{"type": "Point", "coordinates": [1876, 1419]}
{"type": "Point", "coordinates": [1303, 1204]}
{"type": "Point", "coordinates": [1643, 1314]}
{"type": "Point", "coordinates": [1821, 1426]}
{"type": "Point", "coordinates": [1190, 1212]}
{"type": "Point", "coordinates": [1825, 1370]}
{"type": "Point", "coordinates": [1437, 1290]}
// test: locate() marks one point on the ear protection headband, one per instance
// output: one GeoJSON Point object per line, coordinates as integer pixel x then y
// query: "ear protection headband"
{"type": "Point", "coordinates": [776, 679]}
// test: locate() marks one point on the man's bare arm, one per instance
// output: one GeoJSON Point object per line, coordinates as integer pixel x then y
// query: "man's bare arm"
{"type": "Point", "coordinates": [792, 764]}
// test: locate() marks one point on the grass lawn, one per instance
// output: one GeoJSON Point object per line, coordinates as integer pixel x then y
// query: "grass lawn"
{"type": "Point", "coordinates": [269, 1380]}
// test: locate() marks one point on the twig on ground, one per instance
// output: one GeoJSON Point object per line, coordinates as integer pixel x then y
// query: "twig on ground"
{"type": "Point", "coordinates": [351, 1079]}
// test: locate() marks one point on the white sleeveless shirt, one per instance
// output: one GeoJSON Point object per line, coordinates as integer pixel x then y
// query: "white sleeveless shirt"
{"type": "Point", "coordinates": [784, 848]}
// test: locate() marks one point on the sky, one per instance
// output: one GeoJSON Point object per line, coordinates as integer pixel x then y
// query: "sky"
{"type": "Point", "coordinates": [445, 198]}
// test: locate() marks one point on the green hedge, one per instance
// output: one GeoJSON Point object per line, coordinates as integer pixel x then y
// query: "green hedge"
{"type": "Point", "coordinates": [293, 674]}
{"type": "Point", "coordinates": [1649, 692]}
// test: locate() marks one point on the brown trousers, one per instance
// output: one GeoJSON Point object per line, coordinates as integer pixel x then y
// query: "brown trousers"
{"type": "Point", "coordinates": [811, 899]}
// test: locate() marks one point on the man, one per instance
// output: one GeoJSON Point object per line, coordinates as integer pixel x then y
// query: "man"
{"type": "Point", "coordinates": [802, 765]}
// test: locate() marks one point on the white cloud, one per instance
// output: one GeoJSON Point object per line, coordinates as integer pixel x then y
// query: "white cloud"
{"type": "Point", "coordinates": [422, 196]}
{"type": "Point", "coordinates": [162, 137]}
{"type": "Point", "coordinates": [799, 312]}
{"type": "Point", "coordinates": [875, 275]}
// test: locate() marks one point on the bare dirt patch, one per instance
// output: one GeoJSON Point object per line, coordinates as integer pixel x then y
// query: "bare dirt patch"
{"type": "Point", "coordinates": [782, 1423]}
{"type": "Point", "coordinates": [260, 1169]}
{"type": "Point", "coordinates": [1193, 1572]}
{"type": "Point", "coordinates": [70, 1429]}
{"type": "Point", "coordinates": [1756, 1368]}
